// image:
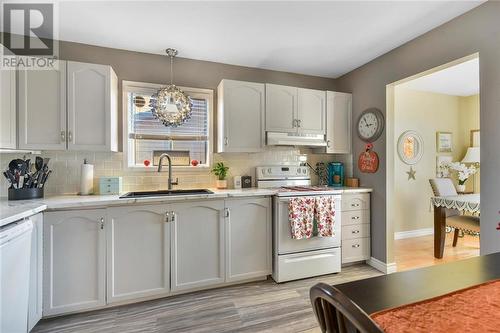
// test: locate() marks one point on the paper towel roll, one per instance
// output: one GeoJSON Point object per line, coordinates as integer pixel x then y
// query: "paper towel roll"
{"type": "Point", "coordinates": [87, 179]}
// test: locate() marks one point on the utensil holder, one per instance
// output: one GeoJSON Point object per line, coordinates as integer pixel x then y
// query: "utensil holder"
{"type": "Point", "coordinates": [25, 193]}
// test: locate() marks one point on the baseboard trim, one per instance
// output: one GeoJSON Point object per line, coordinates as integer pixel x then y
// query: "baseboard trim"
{"type": "Point", "coordinates": [413, 233]}
{"type": "Point", "coordinates": [382, 266]}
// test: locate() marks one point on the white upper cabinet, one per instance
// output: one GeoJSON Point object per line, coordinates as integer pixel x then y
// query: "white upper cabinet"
{"type": "Point", "coordinates": [338, 115]}
{"type": "Point", "coordinates": [311, 111]}
{"type": "Point", "coordinates": [74, 107]}
{"type": "Point", "coordinates": [281, 108]}
{"type": "Point", "coordinates": [248, 238]}
{"type": "Point", "coordinates": [74, 261]}
{"type": "Point", "coordinates": [92, 98]}
{"type": "Point", "coordinates": [138, 252]}
{"type": "Point", "coordinates": [197, 244]}
{"type": "Point", "coordinates": [8, 136]}
{"type": "Point", "coordinates": [240, 114]}
{"type": "Point", "coordinates": [42, 108]}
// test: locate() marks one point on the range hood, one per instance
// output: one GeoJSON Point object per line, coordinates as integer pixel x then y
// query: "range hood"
{"type": "Point", "coordinates": [295, 139]}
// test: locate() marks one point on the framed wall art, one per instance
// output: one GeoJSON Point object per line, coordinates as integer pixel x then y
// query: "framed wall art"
{"type": "Point", "coordinates": [475, 138]}
{"type": "Point", "coordinates": [410, 147]}
{"type": "Point", "coordinates": [444, 142]}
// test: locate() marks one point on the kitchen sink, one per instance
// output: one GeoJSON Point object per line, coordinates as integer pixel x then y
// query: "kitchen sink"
{"type": "Point", "coordinates": [165, 193]}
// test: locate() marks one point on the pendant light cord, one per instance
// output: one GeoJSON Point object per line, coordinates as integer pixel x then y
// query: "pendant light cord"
{"type": "Point", "coordinates": [171, 70]}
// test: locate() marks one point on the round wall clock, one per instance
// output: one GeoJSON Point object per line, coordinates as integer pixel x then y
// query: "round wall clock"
{"type": "Point", "coordinates": [370, 125]}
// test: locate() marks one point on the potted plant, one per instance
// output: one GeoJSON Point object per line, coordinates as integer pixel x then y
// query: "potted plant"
{"type": "Point", "coordinates": [220, 170]}
{"type": "Point", "coordinates": [463, 173]}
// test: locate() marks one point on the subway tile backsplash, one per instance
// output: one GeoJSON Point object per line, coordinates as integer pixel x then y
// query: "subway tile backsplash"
{"type": "Point", "coordinates": [65, 177]}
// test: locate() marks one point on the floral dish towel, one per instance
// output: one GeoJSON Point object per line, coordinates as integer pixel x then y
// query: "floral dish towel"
{"type": "Point", "coordinates": [301, 216]}
{"type": "Point", "coordinates": [324, 214]}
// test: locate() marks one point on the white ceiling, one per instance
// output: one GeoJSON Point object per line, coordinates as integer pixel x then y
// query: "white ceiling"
{"type": "Point", "coordinates": [324, 38]}
{"type": "Point", "coordinates": [459, 80]}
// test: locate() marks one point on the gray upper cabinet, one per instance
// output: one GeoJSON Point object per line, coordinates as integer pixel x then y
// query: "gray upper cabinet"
{"type": "Point", "coordinates": [138, 252]}
{"type": "Point", "coordinates": [42, 108]}
{"type": "Point", "coordinates": [311, 117]}
{"type": "Point", "coordinates": [248, 238]}
{"type": "Point", "coordinates": [197, 249]}
{"type": "Point", "coordinates": [74, 108]}
{"type": "Point", "coordinates": [281, 108]}
{"type": "Point", "coordinates": [92, 98]}
{"type": "Point", "coordinates": [240, 115]}
{"type": "Point", "coordinates": [8, 136]}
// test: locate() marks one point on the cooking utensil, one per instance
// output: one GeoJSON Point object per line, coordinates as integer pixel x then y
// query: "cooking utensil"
{"type": "Point", "coordinates": [38, 163]}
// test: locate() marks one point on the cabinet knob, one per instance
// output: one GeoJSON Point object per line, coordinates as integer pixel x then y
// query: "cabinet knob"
{"type": "Point", "coordinates": [355, 245]}
{"type": "Point", "coordinates": [355, 231]}
{"type": "Point", "coordinates": [226, 212]}
{"type": "Point", "coordinates": [172, 218]}
{"type": "Point", "coordinates": [167, 217]}
{"type": "Point", "coordinates": [70, 136]}
{"type": "Point", "coordinates": [355, 205]}
{"type": "Point", "coordinates": [328, 143]}
{"type": "Point", "coordinates": [102, 223]}
{"type": "Point", "coordinates": [299, 123]}
{"type": "Point", "coordinates": [63, 136]}
{"type": "Point", "coordinates": [226, 141]}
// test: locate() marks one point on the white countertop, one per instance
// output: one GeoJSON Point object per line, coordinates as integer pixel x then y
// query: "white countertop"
{"type": "Point", "coordinates": [11, 211]}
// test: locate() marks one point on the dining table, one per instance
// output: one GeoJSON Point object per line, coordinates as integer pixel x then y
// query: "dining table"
{"type": "Point", "coordinates": [465, 203]}
{"type": "Point", "coordinates": [397, 289]}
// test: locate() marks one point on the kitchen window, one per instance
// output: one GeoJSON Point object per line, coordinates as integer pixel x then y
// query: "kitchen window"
{"type": "Point", "coordinates": [146, 138]}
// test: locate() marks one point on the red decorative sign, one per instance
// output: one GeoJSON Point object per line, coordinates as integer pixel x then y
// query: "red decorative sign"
{"type": "Point", "coordinates": [368, 160]}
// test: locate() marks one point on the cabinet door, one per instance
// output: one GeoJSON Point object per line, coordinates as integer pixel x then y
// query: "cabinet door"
{"type": "Point", "coordinates": [90, 107]}
{"type": "Point", "coordinates": [248, 238]}
{"type": "Point", "coordinates": [42, 108]}
{"type": "Point", "coordinates": [75, 261]}
{"type": "Point", "coordinates": [311, 111]}
{"type": "Point", "coordinates": [281, 108]}
{"type": "Point", "coordinates": [197, 244]}
{"type": "Point", "coordinates": [241, 116]}
{"type": "Point", "coordinates": [338, 117]}
{"type": "Point", "coordinates": [36, 271]}
{"type": "Point", "coordinates": [138, 252]}
{"type": "Point", "coordinates": [8, 109]}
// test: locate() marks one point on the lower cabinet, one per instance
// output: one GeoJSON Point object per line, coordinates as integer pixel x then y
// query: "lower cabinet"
{"type": "Point", "coordinates": [36, 272]}
{"type": "Point", "coordinates": [74, 261]}
{"type": "Point", "coordinates": [138, 252]}
{"type": "Point", "coordinates": [197, 244]}
{"type": "Point", "coordinates": [248, 238]}
{"type": "Point", "coordinates": [93, 258]}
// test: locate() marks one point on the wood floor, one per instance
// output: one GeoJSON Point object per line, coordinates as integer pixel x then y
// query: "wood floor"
{"type": "Point", "coordinates": [418, 252]}
{"type": "Point", "coordinates": [253, 307]}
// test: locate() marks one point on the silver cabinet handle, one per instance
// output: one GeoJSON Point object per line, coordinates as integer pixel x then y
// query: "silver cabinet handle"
{"type": "Point", "coordinates": [102, 223]}
{"type": "Point", "coordinates": [70, 136]}
{"type": "Point", "coordinates": [226, 212]}
{"type": "Point", "coordinates": [355, 205]}
{"type": "Point", "coordinates": [328, 143]}
{"type": "Point", "coordinates": [294, 123]}
{"type": "Point", "coordinates": [172, 217]}
{"type": "Point", "coordinates": [299, 123]}
{"type": "Point", "coordinates": [63, 136]}
{"type": "Point", "coordinates": [167, 217]}
{"type": "Point", "coordinates": [355, 231]}
{"type": "Point", "coordinates": [355, 218]}
{"type": "Point", "coordinates": [226, 141]}
{"type": "Point", "coordinates": [355, 245]}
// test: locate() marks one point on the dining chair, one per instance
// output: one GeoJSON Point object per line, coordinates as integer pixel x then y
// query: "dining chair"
{"type": "Point", "coordinates": [442, 187]}
{"type": "Point", "coordinates": [336, 313]}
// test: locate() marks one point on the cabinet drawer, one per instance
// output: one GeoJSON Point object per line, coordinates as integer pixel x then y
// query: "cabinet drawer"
{"type": "Point", "coordinates": [355, 217]}
{"type": "Point", "coordinates": [355, 250]}
{"type": "Point", "coordinates": [355, 231]}
{"type": "Point", "coordinates": [357, 201]}
{"type": "Point", "coordinates": [303, 265]}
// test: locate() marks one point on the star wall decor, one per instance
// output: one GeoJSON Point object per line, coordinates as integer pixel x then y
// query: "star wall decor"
{"type": "Point", "coordinates": [411, 174]}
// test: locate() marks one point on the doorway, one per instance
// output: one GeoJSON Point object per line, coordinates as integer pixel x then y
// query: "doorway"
{"type": "Point", "coordinates": [432, 137]}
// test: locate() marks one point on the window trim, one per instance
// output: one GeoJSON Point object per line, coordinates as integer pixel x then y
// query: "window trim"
{"type": "Point", "coordinates": [134, 86]}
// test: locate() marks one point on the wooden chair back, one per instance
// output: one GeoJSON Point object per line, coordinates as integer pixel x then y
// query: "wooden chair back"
{"type": "Point", "coordinates": [336, 313]}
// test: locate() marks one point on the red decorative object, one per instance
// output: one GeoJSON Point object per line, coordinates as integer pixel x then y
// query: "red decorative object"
{"type": "Point", "coordinates": [368, 160]}
{"type": "Point", "coordinates": [194, 162]}
{"type": "Point", "coordinates": [147, 162]}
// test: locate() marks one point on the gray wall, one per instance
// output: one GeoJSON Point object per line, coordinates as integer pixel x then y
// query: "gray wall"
{"type": "Point", "coordinates": [151, 68]}
{"type": "Point", "coordinates": [475, 31]}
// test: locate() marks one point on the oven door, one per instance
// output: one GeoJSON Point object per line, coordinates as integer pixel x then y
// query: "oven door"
{"type": "Point", "coordinates": [283, 236]}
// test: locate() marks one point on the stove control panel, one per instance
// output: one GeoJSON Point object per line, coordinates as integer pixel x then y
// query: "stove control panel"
{"type": "Point", "coordinates": [282, 172]}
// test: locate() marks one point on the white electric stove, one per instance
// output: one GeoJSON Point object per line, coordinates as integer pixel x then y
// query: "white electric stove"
{"type": "Point", "coordinates": [297, 259]}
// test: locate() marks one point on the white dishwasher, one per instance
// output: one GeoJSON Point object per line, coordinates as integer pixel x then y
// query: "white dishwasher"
{"type": "Point", "coordinates": [15, 250]}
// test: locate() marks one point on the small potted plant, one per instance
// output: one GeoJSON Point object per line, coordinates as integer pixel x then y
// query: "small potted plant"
{"type": "Point", "coordinates": [220, 170]}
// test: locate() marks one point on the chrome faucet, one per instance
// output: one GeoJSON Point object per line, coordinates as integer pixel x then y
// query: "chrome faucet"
{"type": "Point", "coordinates": [160, 164]}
